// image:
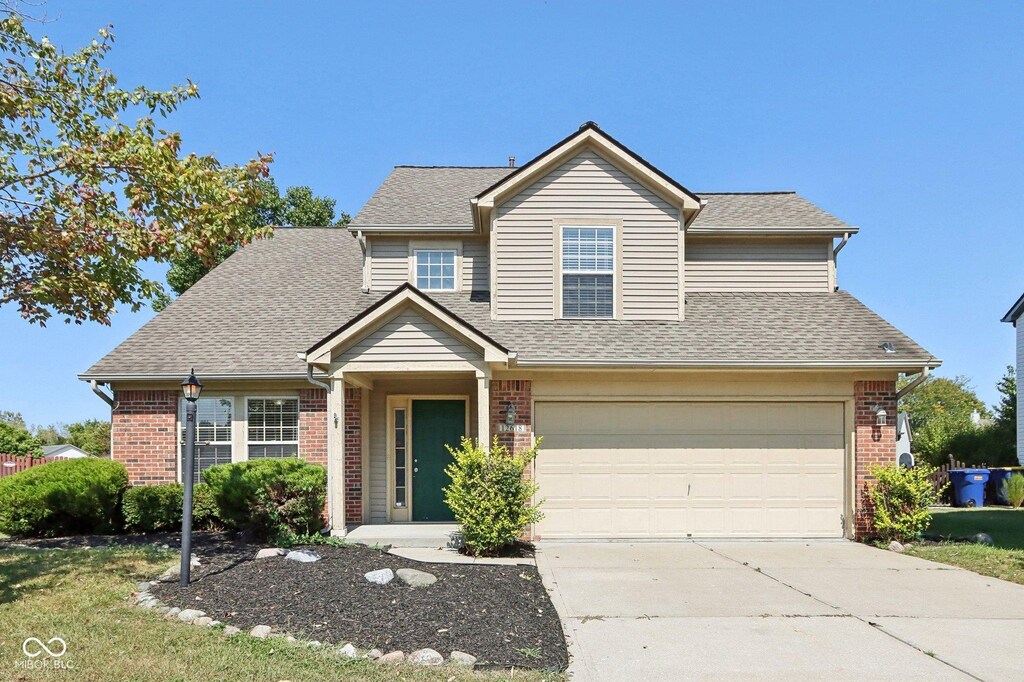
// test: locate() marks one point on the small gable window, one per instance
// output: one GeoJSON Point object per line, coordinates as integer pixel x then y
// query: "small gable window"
{"type": "Point", "coordinates": [435, 269]}
{"type": "Point", "coordinates": [588, 272]}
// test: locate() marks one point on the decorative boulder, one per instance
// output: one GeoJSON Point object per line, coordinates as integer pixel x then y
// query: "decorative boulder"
{"type": "Point", "coordinates": [982, 538]}
{"type": "Point", "coordinates": [202, 621]}
{"type": "Point", "coordinates": [374, 654]}
{"type": "Point", "coordinates": [189, 615]}
{"type": "Point", "coordinates": [260, 631]}
{"type": "Point", "coordinates": [348, 651]}
{"type": "Point", "coordinates": [895, 546]}
{"type": "Point", "coordinates": [392, 657]}
{"type": "Point", "coordinates": [381, 576]}
{"type": "Point", "coordinates": [303, 556]}
{"type": "Point", "coordinates": [231, 631]}
{"type": "Point", "coordinates": [270, 553]}
{"type": "Point", "coordinates": [462, 660]}
{"type": "Point", "coordinates": [414, 578]}
{"type": "Point", "coordinates": [427, 657]}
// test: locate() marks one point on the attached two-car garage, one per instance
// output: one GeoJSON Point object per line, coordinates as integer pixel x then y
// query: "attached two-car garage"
{"type": "Point", "coordinates": [670, 469]}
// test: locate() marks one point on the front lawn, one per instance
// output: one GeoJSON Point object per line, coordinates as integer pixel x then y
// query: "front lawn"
{"type": "Point", "coordinates": [79, 595]}
{"type": "Point", "coordinates": [1003, 559]}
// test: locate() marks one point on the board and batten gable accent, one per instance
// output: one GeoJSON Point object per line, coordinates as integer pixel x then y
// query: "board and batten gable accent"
{"type": "Point", "coordinates": [779, 265]}
{"type": "Point", "coordinates": [407, 337]}
{"type": "Point", "coordinates": [590, 188]}
{"type": "Point", "coordinates": [391, 261]}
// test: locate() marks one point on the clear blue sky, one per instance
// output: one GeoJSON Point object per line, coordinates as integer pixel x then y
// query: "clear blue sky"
{"type": "Point", "coordinates": [903, 119]}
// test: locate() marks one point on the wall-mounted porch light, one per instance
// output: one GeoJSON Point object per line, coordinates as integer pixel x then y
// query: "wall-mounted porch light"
{"type": "Point", "coordinates": [510, 413]}
{"type": "Point", "coordinates": [880, 415]}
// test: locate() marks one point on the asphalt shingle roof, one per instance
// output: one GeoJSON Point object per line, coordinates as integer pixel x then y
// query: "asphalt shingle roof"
{"type": "Point", "coordinates": [277, 297]}
{"type": "Point", "coordinates": [439, 195]}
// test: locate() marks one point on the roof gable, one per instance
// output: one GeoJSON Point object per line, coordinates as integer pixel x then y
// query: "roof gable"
{"type": "Point", "coordinates": [1015, 311]}
{"type": "Point", "coordinates": [589, 136]}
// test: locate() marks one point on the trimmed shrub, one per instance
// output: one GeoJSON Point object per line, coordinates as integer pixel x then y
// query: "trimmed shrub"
{"type": "Point", "coordinates": [901, 499]}
{"type": "Point", "coordinates": [1014, 490]}
{"type": "Point", "coordinates": [75, 496]}
{"type": "Point", "coordinates": [269, 497]}
{"type": "Point", "coordinates": [489, 495]}
{"type": "Point", "coordinates": [157, 508]}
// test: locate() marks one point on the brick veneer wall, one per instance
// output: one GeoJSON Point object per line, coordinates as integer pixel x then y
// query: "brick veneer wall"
{"type": "Point", "coordinates": [143, 435]}
{"type": "Point", "coordinates": [353, 455]}
{"type": "Point", "coordinates": [875, 444]}
{"type": "Point", "coordinates": [313, 425]}
{"type": "Point", "coordinates": [519, 393]}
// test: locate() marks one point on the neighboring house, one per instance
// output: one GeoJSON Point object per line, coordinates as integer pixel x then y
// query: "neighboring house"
{"type": "Point", "coordinates": [1013, 316]}
{"type": "Point", "coordinates": [65, 451]}
{"type": "Point", "coordinates": [904, 440]}
{"type": "Point", "coordinates": [687, 357]}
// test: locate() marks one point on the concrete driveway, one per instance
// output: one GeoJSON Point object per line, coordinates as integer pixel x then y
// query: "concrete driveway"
{"type": "Point", "coordinates": [778, 611]}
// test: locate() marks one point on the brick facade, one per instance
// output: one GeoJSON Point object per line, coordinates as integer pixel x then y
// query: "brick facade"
{"type": "Point", "coordinates": [143, 435]}
{"type": "Point", "coordinates": [874, 444]}
{"type": "Point", "coordinates": [353, 455]}
{"type": "Point", "coordinates": [519, 393]}
{"type": "Point", "coordinates": [313, 425]}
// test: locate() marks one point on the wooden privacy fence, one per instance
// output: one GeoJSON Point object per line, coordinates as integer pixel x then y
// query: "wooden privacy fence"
{"type": "Point", "coordinates": [941, 476]}
{"type": "Point", "coordinates": [12, 464]}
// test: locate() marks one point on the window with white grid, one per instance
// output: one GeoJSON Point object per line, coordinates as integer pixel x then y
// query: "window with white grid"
{"type": "Point", "coordinates": [435, 269]}
{"type": "Point", "coordinates": [213, 433]}
{"type": "Point", "coordinates": [588, 272]}
{"type": "Point", "coordinates": [272, 425]}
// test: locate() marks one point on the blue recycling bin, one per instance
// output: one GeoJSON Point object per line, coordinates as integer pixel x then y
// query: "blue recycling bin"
{"type": "Point", "coordinates": [968, 487]}
{"type": "Point", "coordinates": [997, 478]}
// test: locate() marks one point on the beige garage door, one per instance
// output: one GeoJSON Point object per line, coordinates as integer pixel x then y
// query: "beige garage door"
{"type": "Point", "coordinates": [690, 469]}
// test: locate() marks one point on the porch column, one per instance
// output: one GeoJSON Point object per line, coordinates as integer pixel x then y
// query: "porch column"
{"type": "Point", "coordinates": [336, 454]}
{"type": "Point", "coordinates": [483, 411]}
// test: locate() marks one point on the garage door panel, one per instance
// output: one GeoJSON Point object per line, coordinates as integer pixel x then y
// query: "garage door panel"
{"type": "Point", "coordinates": [676, 469]}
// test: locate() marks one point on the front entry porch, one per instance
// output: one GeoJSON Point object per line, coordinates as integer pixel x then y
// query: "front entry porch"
{"type": "Point", "coordinates": [423, 535]}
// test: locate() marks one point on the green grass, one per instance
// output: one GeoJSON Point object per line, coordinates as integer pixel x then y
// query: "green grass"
{"type": "Point", "coordinates": [79, 595]}
{"type": "Point", "coordinates": [1004, 559]}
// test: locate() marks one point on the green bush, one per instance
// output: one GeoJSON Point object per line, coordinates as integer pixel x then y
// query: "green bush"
{"type": "Point", "coordinates": [1014, 490]}
{"type": "Point", "coordinates": [269, 497]}
{"type": "Point", "coordinates": [901, 499]}
{"type": "Point", "coordinates": [489, 496]}
{"type": "Point", "coordinates": [156, 508]}
{"type": "Point", "coordinates": [74, 496]}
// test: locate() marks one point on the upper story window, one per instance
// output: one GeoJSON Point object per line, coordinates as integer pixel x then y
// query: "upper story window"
{"type": "Point", "coordinates": [435, 269]}
{"type": "Point", "coordinates": [588, 272]}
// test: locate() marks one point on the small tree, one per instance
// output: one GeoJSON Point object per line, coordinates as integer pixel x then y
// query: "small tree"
{"type": "Point", "coordinates": [901, 499]}
{"type": "Point", "coordinates": [1014, 490]}
{"type": "Point", "coordinates": [15, 441]}
{"type": "Point", "coordinates": [489, 495]}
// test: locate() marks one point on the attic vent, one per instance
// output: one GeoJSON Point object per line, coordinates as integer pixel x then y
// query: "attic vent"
{"type": "Point", "coordinates": [511, 162]}
{"type": "Point", "coordinates": [889, 347]}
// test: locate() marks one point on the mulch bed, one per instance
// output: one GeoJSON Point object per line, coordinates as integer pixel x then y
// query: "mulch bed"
{"type": "Point", "coordinates": [500, 614]}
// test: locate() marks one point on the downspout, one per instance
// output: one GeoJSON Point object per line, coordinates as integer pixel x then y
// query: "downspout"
{"type": "Point", "coordinates": [103, 396]}
{"type": "Point", "coordinates": [840, 245]}
{"type": "Point", "coordinates": [361, 238]}
{"type": "Point", "coordinates": [326, 530]}
{"type": "Point", "coordinates": [913, 384]}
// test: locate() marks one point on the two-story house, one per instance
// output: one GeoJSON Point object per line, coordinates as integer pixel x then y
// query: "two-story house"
{"type": "Point", "coordinates": [688, 358]}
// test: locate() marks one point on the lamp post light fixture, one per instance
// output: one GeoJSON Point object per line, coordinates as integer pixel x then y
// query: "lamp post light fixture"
{"type": "Point", "coordinates": [191, 388]}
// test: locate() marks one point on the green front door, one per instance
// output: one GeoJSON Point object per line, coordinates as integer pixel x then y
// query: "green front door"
{"type": "Point", "coordinates": [435, 423]}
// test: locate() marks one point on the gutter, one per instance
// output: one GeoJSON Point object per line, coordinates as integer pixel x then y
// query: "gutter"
{"type": "Point", "coordinates": [107, 378]}
{"type": "Point", "coordinates": [913, 384]}
{"type": "Point", "coordinates": [719, 364]}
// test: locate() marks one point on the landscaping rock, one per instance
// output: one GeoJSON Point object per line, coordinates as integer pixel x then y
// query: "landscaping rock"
{"type": "Point", "coordinates": [149, 602]}
{"type": "Point", "coordinates": [215, 623]}
{"type": "Point", "coordinates": [414, 578]}
{"type": "Point", "coordinates": [202, 621]}
{"type": "Point", "coordinates": [174, 572]}
{"type": "Point", "coordinates": [348, 651]}
{"type": "Point", "coordinates": [392, 658]}
{"type": "Point", "coordinates": [462, 660]}
{"type": "Point", "coordinates": [162, 609]}
{"type": "Point", "coordinates": [895, 546]}
{"type": "Point", "coordinates": [144, 587]}
{"type": "Point", "coordinates": [189, 615]}
{"type": "Point", "coordinates": [174, 611]}
{"type": "Point", "coordinates": [260, 631]}
{"type": "Point", "coordinates": [374, 654]}
{"type": "Point", "coordinates": [290, 639]}
{"type": "Point", "coordinates": [982, 539]}
{"type": "Point", "coordinates": [231, 631]}
{"type": "Point", "coordinates": [427, 657]}
{"type": "Point", "coordinates": [381, 576]}
{"type": "Point", "coordinates": [314, 644]}
{"type": "Point", "coordinates": [270, 552]}
{"type": "Point", "coordinates": [304, 556]}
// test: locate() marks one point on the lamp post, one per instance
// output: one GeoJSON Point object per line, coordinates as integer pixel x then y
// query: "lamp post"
{"type": "Point", "coordinates": [191, 388]}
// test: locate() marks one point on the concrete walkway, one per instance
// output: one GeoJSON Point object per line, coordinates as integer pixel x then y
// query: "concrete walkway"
{"type": "Point", "coordinates": [778, 611]}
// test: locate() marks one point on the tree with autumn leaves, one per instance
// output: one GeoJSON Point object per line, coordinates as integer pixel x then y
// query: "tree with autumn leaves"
{"type": "Point", "coordinates": [91, 185]}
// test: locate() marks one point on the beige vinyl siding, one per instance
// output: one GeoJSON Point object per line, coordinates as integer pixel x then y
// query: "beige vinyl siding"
{"type": "Point", "coordinates": [389, 263]}
{"type": "Point", "coordinates": [408, 337]}
{"type": "Point", "coordinates": [383, 387]}
{"type": "Point", "coordinates": [757, 265]}
{"type": "Point", "coordinates": [589, 188]}
{"type": "Point", "coordinates": [475, 257]}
